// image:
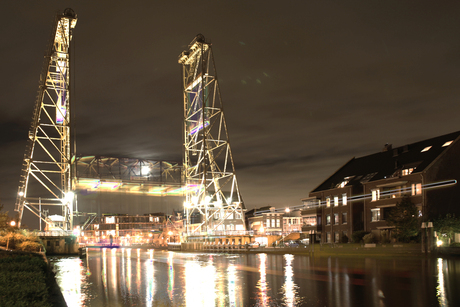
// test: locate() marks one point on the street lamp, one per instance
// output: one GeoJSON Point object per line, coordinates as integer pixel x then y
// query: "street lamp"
{"type": "Point", "coordinates": [12, 223]}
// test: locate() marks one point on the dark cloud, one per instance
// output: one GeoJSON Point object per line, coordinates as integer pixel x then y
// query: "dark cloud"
{"type": "Point", "coordinates": [306, 85]}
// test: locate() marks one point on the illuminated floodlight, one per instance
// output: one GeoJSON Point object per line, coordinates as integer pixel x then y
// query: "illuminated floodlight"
{"type": "Point", "coordinates": [187, 205]}
{"type": "Point", "coordinates": [145, 170]}
{"type": "Point", "coordinates": [195, 200]}
{"type": "Point", "coordinates": [21, 193]}
{"type": "Point", "coordinates": [207, 199]}
{"type": "Point", "coordinates": [287, 210]}
{"type": "Point", "coordinates": [13, 223]}
{"type": "Point", "coordinates": [439, 243]}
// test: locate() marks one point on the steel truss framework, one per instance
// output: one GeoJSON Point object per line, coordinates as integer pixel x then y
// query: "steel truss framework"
{"type": "Point", "coordinates": [128, 175]}
{"type": "Point", "coordinates": [46, 171]}
{"type": "Point", "coordinates": [208, 163]}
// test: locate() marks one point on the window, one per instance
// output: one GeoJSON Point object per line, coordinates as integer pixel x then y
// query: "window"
{"type": "Point", "coordinates": [447, 143]}
{"type": "Point", "coordinates": [336, 219]}
{"type": "Point", "coordinates": [416, 188]}
{"type": "Point", "coordinates": [375, 194]}
{"type": "Point", "coordinates": [344, 217]}
{"type": "Point", "coordinates": [328, 237]}
{"type": "Point", "coordinates": [278, 223]}
{"type": "Point", "coordinates": [336, 201]}
{"type": "Point", "coordinates": [426, 148]}
{"type": "Point", "coordinates": [391, 192]}
{"type": "Point", "coordinates": [407, 171]}
{"type": "Point", "coordinates": [285, 221]}
{"type": "Point", "coordinates": [375, 215]}
{"type": "Point", "coordinates": [336, 237]}
{"type": "Point", "coordinates": [310, 220]}
{"type": "Point", "coordinates": [273, 223]}
{"type": "Point", "coordinates": [268, 223]}
{"type": "Point", "coordinates": [57, 243]}
{"type": "Point", "coordinates": [328, 201]}
{"type": "Point", "coordinates": [110, 219]}
{"type": "Point", "coordinates": [344, 199]}
{"type": "Point", "coordinates": [328, 219]}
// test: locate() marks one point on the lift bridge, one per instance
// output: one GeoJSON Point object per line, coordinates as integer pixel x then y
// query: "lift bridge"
{"type": "Point", "coordinates": [51, 175]}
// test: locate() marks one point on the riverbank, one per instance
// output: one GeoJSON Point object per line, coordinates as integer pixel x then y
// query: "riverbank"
{"type": "Point", "coordinates": [26, 279]}
{"type": "Point", "coordinates": [342, 250]}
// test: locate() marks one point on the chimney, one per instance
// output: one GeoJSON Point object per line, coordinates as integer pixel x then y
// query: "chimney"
{"type": "Point", "coordinates": [387, 147]}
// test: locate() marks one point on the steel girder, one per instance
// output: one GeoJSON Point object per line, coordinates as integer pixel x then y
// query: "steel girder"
{"type": "Point", "coordinates": [46, 172]}
{"type": "Point", "coordinates": [209, 170]}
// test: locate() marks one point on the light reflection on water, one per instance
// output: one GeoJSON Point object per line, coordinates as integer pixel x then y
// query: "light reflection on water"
{"type": "Point", "coordinates": [126, 277]}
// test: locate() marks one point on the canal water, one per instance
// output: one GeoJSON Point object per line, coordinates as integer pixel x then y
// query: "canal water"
{"type": "Point", "coordinates": [143, 277]}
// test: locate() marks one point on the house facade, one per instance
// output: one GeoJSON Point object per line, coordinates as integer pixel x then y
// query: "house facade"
{"type": "Point", "coordinates": [360, 194]}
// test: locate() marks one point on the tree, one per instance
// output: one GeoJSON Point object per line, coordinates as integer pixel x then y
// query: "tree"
{"type": "Point", "coordinates": [447, 226]}
{"type": "Point", "coordinates": [404, 217]}
{"type": "Point", "coordinates": [3, 218]}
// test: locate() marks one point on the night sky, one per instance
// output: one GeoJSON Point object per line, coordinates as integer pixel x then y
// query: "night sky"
{"type": "Point", "coordinates": [306, 85]}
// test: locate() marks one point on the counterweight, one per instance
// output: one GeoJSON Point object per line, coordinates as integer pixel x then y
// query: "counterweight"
{"type": "Point", "coordinates": [213, 202]}
{"type": "Point", "coordinates": [45, 178]}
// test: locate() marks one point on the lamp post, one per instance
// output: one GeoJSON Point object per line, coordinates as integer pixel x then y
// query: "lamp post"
{"type": "Point", "coordinates": [289, 219]}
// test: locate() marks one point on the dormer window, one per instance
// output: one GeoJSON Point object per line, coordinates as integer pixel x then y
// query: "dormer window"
{"type": "Point", "coordinates": [447, 143]}
{"type": "Point", "coordinates": [426, 148]}
{"type": "Point", "coordinates": [407, 171]}
{"type": "Point", "coordinates": [345, 181]}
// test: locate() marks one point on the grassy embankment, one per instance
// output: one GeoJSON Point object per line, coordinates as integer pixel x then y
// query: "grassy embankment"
{"type": "Point", "coordinates": [25, 277]}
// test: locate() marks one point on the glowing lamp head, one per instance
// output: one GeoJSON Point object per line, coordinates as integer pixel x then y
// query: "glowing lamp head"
{"type": "Point", "coordinates": [170, 233]}
{"type": "Point", "coordinates": [288, 210]}
{"type": "Point", "coordinates": [21, 193]}
{"type": "Point", "coordinates": [439, 243]}
{"type": "Point", "coordinates": [13, 223]}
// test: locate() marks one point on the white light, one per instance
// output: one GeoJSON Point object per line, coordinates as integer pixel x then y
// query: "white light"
{"type": "Point", "coordinates": [439, 243]}
{"type": "Point", "coordinates": [287, 210]}
{"type": "Point", "coordinates": [207, 199]}
{"type": "Point", "coordinates": [145, 170]}
{"type": "Point", "coordinates": [21, 193]}
{"type": "Point", "coordinates": [195, 200]}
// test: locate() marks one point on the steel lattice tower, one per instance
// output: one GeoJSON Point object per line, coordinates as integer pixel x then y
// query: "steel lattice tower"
{"type": "Point", "coordinates": [46, 178]}
{"type": "Point", "coordinates": [213, 195]}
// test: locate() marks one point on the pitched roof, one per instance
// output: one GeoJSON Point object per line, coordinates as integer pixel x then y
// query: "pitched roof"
{"type": "Point", "coordinates": [384, 164]}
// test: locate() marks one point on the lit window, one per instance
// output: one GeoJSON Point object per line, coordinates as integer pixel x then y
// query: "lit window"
{"type": "Point", "coordinates": [375, 215]}
{"type": "Point", "coordinates": [273, 223]}
{"type": "Point", "coordinates": [328, 201]}
{"type": "Point", "coordinates": [328, 219]}
{"type": "Point", "coordinates": [426, 148]}
{"type": "Point", "coordinates": [407, 171]}
{"type": "Point", "coordinates": [328, 237]}
{"type": "Point", "coordinates": [268, 223]}
{"type": "Point", "coordinates": [336, 237]}
{"type": "Point", "coordinates": [278, 223]}
{"type": "Point", "coordinates": [447, 143]}
{"type": "Point", "coordinates": [336, 201]}
{"type": "Point", "coordinates": [344, 199]}
{"type": "Point", "coordinates": [375, 195]}
{"type": "Point", "coordinates": [336, 218]}
{"type": "Point", "coordinates": [416, 188]}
